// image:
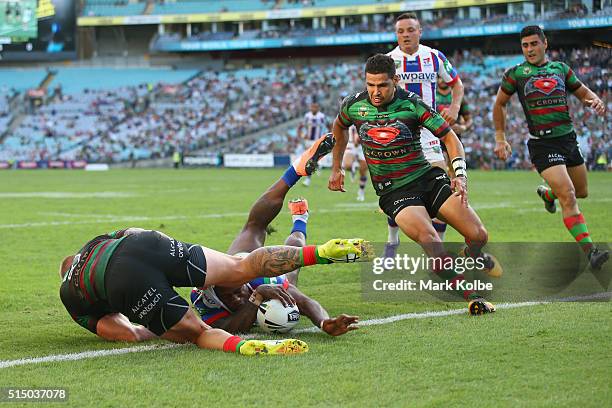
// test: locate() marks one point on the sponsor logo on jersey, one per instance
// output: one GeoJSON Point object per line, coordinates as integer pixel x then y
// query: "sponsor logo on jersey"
{"type": "Point", "coordinates": [386, 154]}
{"type": "Point", "coordinates": [383, 135]}
{"type": "Point", "coordinates": [418, 77]}
{"type": "Point", "coordinates": [544, 84]}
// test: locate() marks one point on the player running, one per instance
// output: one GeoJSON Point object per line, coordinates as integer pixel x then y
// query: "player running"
{"type": "Point", "coordinates": [419, 68]}
{"type": "Point", "coordinates": [353, 159]}
{"type": "Point", "coordinates": [410, 190]}
{"type": "Point", "coordinates": [129, 276]}
{"type": "Point", "coordinates": [542, 87]}
{"type": "Point", "coordinates": [313, 126]}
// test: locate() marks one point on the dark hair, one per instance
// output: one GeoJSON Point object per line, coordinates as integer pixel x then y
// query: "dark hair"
{"type": "Point", "coordinates": [407, 16]}
{"type": "Point", "coordinates": [380, 64]}
{"type": "Point", "coordinates": [531, 30]}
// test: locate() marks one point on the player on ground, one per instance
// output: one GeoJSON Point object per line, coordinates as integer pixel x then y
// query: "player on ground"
{"type": "Point", "coordinates": [419, 68]}
{"type": "Point", "coordinates": [542, 87]}
{"type": "Point", "coordinates": [129, 276]}
{"type": "Point", "coordinates": [464, 121]}
{"type": "Point", "coordinates": [235, 308]}
{"type": "Point", "coordinates": [314, 125]}
{"type": "Point", "coordinates": [353, 159]}
{"type": "Point", "coordinates": [410, 190]}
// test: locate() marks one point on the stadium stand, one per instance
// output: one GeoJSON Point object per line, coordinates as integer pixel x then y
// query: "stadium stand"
{"type": "Point", "coordinates": [113, 8]}
{"type": "Point", "coordinates": [114, 115]}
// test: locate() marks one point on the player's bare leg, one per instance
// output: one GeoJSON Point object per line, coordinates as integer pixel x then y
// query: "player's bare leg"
{"type": "Point", "coordinates": [468, 224]}
{"type": "Point", "coordinates": [263, 211]}
{"type": "Point", "coordinates": [267, 207]}
{"type": "Point", "coordinates": [232, 271]}
{"type": "Point", "coordinates": [363, 179]}
{"type": "Point", "coordinates": [415, 222]}
{"type": "Point", "coordinates": [299, 214]}
{"type": "Point", "coordinates": [191, 329]}
{"type": "Point", "coordinates": [562, 186]}
{"type": "Point", "coordinates": [578, 174]}
{"type": "Point", "coordinates": [439, 225]}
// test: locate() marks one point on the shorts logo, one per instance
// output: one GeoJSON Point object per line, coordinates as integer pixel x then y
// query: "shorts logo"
{"type": "Point", "coordinates": [174, 245]}
{"type": "Point", "coordinates": [555, 157]}
{"type": "Point", "coordinates": [147, 303]}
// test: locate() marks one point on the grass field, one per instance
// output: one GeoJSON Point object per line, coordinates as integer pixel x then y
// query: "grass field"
{"type": "Point", "coordinates": [543, 355]}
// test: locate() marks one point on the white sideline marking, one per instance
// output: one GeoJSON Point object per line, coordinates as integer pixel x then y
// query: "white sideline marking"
{"type": "Point", "coordinates": [371, 322]}
{"type": "Point", "coordinates": [67, 194]}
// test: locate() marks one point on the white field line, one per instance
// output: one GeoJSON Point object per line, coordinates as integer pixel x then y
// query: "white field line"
{"type": "Point", "coordinates": [106, 218]}
{"type": "Point", "coordinates": [371, 322]}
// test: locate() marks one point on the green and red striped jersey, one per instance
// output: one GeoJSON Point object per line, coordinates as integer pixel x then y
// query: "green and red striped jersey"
{"type": "Point", "coordinates": [390, 136]}
{"type": "Point", "coordinates": [444, 102]}
{"type": "Point", "coordinates": [83, 292]}
{"type": "Point", "coordinates": [543, 92]}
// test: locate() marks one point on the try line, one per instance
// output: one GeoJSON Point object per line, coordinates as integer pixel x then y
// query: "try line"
{"type": "Point", "coordinates": [372, 322]}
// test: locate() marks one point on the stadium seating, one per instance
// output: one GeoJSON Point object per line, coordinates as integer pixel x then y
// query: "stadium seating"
{"type": "Point", "coordinates": [113, 115]}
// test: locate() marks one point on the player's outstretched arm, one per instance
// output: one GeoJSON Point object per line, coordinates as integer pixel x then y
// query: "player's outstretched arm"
{"type": "Point", "coordinates": [319, 316]}
{"type": "Point", "coordinates": [503, 150]}
{"type": "Point", "coordinates": [336, 179]}
{"type": "Point", "coordinates": [590, 99]}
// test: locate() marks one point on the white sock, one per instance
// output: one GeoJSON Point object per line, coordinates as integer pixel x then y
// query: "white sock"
{"type": "Point", "coordinates": [301, 217]}
{"type": "Point", "coordinates": [393, 237]}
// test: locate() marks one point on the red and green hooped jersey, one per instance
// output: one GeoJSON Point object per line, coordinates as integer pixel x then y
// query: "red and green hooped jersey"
{"type": "Point", "coordinates": [543, 92]}
{"type": "Point", "coordinates": [390, 136]}
{"type": "Point", "coordinates": [83, 292]}
{"type": "Point", "coordinates": [444, 102]}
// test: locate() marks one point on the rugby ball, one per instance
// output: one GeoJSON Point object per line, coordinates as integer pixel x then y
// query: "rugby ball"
{"type": "Point", "coordinates": [273, 317]}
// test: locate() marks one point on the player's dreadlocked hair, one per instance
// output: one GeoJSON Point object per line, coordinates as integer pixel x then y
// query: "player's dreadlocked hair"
{"type": "Point", "coordinates": [380, 64]}
{"type": "Point", "coordinates": [531, 30]}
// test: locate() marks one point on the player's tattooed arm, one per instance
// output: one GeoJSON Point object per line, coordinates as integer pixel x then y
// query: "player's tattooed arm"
{"type": "Point", "coordinates": [275, 260]}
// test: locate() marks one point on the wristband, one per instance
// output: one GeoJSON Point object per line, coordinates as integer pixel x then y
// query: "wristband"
{"type": "Point", "coordinates": [459, 167]}
{"type": "Point", "coordinates": [500, 136]}
{"type": "Point", "coordinates": [255, 299]}
{"type": "Point", "coordinates": [321, 325]}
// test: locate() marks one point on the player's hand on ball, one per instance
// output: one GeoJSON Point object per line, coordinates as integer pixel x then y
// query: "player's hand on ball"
{"type": "Point", "coordinates": [340, 325]}
{"type": "Point", "coordinates": [502, 150]}
{"type": "Point", "coordinates": [459, 186]}
{"type": "Point", "coordinates": [336, 180]}
{"type": "Point", "coordinates": [268, 292]}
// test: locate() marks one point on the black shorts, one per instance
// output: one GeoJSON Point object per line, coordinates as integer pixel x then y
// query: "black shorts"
{"type": "Point", "coordinates": [545, 153]}
{"type": "Point", "coordinates": [430, 190]}
{"type": "Point", "coordinates": [141, 275]}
